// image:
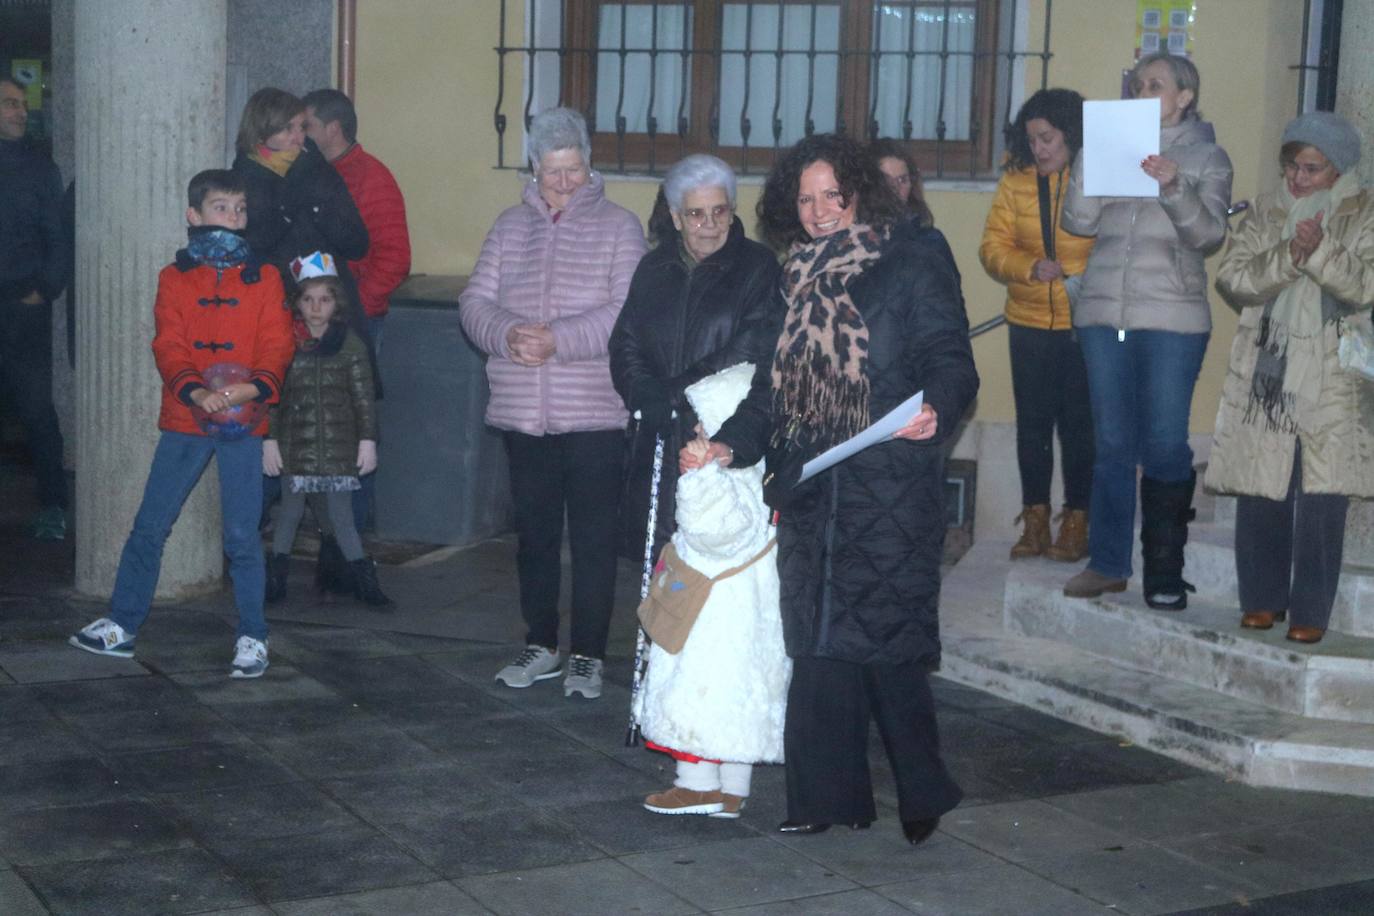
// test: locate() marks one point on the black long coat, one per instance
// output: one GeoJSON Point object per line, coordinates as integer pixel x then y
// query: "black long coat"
{"type": "Point", "coordinates": [859, 550]}
{"type": "Point", "coordinates": [677, 327]}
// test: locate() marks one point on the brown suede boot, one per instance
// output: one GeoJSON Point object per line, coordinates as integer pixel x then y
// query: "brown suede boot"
{"type": "Point", "coordinates": [1072, 544]}
{"type": "Point", "coordinates": [1035, 538]}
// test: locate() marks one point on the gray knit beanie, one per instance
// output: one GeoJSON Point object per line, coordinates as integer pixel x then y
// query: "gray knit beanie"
{"type": "Point", "coordinates": [1328, 132]}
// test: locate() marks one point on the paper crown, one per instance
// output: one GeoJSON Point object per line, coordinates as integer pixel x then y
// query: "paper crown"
{"type": "Point", "coordinates": [318, 264]}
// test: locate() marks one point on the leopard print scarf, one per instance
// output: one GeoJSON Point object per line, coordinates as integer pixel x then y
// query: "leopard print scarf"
{"type": "Point", "coordinates": [820, 379]}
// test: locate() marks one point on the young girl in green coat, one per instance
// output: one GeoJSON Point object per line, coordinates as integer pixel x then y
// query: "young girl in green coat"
{"type": "Point", "coordinates": [323, 434]}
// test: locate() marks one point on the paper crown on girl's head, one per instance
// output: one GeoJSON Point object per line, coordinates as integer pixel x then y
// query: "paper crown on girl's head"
{"type": "Point", "coordinates": [316, 264]}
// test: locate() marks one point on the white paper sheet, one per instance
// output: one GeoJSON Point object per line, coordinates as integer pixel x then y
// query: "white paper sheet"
{"type": "Point", "coordinates": [1116, 137]}
{"type": "Point", "coordinates": [882, 430]}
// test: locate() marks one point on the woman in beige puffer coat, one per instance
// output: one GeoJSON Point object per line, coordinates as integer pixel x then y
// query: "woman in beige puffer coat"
{"type": "Point", "coordinates": [1143, 320]}
{"type": "Point", "coordinates": [1295, 432]}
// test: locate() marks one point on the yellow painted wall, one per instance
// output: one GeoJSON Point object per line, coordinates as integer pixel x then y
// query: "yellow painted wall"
{"type": "Point", "coordinates": [426, 89]}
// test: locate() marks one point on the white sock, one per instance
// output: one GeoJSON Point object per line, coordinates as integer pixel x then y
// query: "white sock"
{"type": "Point", "coordinates": [735, 777]}
{"type": "Point", "coordinates": [699, 777]}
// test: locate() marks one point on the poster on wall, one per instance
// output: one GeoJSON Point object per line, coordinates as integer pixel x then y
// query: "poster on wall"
{"type": "Point", "coordinates": [29, 74]}
{"type": "Point", "coordinates": [1164, 25]}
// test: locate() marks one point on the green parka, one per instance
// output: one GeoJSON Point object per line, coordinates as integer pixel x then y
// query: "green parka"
{"type": "Point", "coordinates": [326, 407]}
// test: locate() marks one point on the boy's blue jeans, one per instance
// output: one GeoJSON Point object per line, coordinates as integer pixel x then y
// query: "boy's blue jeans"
{"type": "Point", "coordinates": [178, 462]}
{"type": "Point", "coordinates": [1141, 390]}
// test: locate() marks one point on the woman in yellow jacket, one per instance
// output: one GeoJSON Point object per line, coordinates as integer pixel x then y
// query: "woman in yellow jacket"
{"type": "Point", "coordinates": [1041, 264]}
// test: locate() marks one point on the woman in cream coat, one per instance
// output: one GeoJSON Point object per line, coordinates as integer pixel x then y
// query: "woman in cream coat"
{"type": "Point", "coordinates": [1295, 432]}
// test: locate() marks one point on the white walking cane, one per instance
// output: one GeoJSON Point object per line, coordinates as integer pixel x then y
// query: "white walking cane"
{"type": "Point", "coordinates": [642, 638]}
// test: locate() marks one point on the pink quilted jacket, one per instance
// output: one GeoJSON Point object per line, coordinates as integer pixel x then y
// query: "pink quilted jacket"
{"type": "Point", "coordinates": [572, 274]}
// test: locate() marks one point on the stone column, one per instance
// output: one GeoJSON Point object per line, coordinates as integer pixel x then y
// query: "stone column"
{"type": "Point", "coordinates": [150, 114]}
{"type": "Point", "coordinates": [1355, 102]}
{"type": "Point", "coordinates": [1355, 77]}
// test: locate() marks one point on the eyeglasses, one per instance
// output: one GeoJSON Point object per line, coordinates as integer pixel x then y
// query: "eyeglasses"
{"type": "Point", "coordinates": [569, 174]}
{"type": "Point", "coordinates": [696, 217]}
{"type": "Point", "coordinates": [1311, 170]}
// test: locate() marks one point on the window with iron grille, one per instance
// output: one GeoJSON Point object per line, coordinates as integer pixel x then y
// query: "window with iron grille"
{"type": "Point", "coordinates": [659, 80]}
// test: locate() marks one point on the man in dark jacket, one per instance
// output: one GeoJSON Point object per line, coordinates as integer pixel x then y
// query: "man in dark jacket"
{"type": "Point", "coordinates": [33, 254]}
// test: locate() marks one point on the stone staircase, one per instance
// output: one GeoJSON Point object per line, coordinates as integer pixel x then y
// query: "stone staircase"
{"type": "Point", "coordinates": [1189, 684]}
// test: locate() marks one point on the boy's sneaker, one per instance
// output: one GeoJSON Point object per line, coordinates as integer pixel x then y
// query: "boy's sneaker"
{"type": "Point", "coordinates": [50, 524]}
{"type": "Point", "coordinates": [104, 637]}
{"type": "Point", "coordinates": [534, 664]}
{"type": "Point", "coordinates": [584, 677]}
{"type": "Point", "coordinates": [678, 800]}
{"type": "Point", "coordinates": [250, 657]}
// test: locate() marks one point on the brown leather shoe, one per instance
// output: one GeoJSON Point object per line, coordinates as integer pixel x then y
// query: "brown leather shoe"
{"type": "Point", "coordinates": [1072, 544]}
{"type": "Point", "coordinates": [1090, 584]}
{"type": "Point", "coordinates": [1035, 538]}
{"type": "Point", "coordinates": [1305, 634]}
{"type": "Point", "coordinates": [1261, 620]}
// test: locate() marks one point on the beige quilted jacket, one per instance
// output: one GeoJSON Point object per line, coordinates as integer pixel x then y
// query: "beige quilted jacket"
{"type": "Point", "coordinates": [1337, 434]}
{"type": "Point", "coordinates": [1146, 270]}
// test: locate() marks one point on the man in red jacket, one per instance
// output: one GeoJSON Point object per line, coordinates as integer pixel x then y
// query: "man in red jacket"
{"type": "Point", "coordinates": [332, 123]}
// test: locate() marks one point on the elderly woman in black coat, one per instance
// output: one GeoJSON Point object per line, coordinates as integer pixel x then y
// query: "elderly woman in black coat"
{"type": "Point", "coordinates": [874, 315]}
{"type": "Point", "coordinates": [703, 300]}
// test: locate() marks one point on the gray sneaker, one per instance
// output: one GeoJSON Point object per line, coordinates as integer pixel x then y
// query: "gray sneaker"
{"type": "Point", "coordinates": [534, 664]}
{"type": "Point", "coordinates": [584, 677]}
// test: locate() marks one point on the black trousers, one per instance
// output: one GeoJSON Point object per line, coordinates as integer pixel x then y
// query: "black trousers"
{"type": "Point", "coordinates": [26, 382]}
{"type": "Point", "coordinates": [1288, 552]}
{"type": "Point", "coordinates": [578, 474]}
{"type": "Point", "coordinates": [829, 704]}
{"type": "Point", "coordinates": [1049, 384]}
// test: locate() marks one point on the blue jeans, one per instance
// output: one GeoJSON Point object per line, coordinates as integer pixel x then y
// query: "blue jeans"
{"type": "Point", "coordinates": [178, 462]}
{"type": "Point", "coordinates": [1141, 389]}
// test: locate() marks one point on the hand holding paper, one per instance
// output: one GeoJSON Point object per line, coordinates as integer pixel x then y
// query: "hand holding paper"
{"type": "Point", "coordinates": [897, 420]}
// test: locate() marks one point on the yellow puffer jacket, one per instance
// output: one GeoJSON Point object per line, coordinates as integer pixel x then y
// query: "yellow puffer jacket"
{"type": "Point", "coordinates": [1012, 244]}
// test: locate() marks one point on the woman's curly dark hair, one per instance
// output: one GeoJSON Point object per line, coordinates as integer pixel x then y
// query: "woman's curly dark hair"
{"type": "Point", "coordinates": [858, 176]}
{"type": "Point", "coordinates": [1063, 108]}
{"type": "Point", "coordinates": [889, 148]}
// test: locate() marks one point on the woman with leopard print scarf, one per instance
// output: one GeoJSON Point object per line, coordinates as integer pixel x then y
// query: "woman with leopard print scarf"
{"type": "Point", "coordinates": [875, 314]}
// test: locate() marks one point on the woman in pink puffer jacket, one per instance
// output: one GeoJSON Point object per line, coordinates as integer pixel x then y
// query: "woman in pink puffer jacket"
{"type": "Point", "coordinates": [541, 302]}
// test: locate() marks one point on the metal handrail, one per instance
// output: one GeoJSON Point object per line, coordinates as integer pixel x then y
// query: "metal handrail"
{"type": "Point", "coordinates": [987, 326]}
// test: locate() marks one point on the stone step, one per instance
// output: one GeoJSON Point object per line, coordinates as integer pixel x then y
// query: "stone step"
{"type": "Point", "coordinates": [1210, 565]}
{"type": "Point", "coordinates": [1246, 741]}
{"type": "Point", "coordinates": [1202, 646]}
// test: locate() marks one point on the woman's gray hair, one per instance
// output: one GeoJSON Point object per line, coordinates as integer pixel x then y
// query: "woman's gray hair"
{"type": "Point", "coordinates": [1184, 71]}
{"type": "Point", "coordinates": [697, 171]}
{"type": "Point", "coordinates": [555, 129]}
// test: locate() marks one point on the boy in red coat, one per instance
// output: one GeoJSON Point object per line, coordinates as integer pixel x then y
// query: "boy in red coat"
{"type": "Point", "coordinates": [215, 304]}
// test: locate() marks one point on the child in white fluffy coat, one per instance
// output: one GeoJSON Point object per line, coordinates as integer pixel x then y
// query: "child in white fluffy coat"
{"type": "Point", "coordinates": [718, 705]}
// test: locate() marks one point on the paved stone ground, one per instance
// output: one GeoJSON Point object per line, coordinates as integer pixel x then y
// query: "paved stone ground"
{"type": "Point", "coordinates": [377, 768]}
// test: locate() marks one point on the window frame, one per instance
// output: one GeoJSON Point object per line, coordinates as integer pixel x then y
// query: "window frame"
{"type": "Point", "coordinates": [856, 73]}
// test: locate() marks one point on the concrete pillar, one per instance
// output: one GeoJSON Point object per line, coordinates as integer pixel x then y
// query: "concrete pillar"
{"type": "Point", "coordinates": [1355, 77]}
{"type": "Point", "coordinates": [1355, 102]}
{"type": "Point", "coordinates": [150, 114]}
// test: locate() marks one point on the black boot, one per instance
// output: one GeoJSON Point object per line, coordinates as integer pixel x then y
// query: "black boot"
{"type": "Point", "coordinates": [365, 586]}
{"type": "Point", "coordinates": [1165, 511]}
{"type": "Point", "coordinates": [278, 564]}
{"type": "Point", "coordinates": [332, 574]}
